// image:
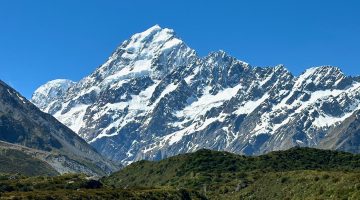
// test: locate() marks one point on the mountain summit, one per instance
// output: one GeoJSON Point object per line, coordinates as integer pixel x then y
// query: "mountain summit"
{"type": "Point", "coordinates": [154, 98]}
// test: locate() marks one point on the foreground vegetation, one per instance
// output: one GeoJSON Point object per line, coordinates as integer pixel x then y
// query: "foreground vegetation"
{"type": "Point", "coordinates": [299, 185]}
{"type": "Point", "coordinates": [128, 194]}
{"type": "Point", "coordinates": [298, 173]}
{"type": "Point", "coordinates": [277, 175]}
{"type": "Point", "coordinates": [77, 186]}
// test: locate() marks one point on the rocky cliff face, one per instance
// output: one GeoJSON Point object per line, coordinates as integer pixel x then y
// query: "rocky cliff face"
{"type": "Point", "coordinates": [154, 98]}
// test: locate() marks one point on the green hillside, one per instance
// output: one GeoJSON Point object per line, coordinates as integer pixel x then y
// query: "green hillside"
{"type": "Point", "coordinates": [222, 175]}
{"type": "Point", "coordinates": [296, 185]}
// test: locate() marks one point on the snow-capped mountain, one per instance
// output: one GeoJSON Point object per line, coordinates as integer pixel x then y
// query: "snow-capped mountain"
{"type": "Point", "coordinates": [155, 97]}
{"type": "Point", "coordinates": [45, 94]}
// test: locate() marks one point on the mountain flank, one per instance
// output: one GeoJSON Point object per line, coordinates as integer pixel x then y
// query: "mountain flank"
{"type": "Point", "coordinates": [24, 128]}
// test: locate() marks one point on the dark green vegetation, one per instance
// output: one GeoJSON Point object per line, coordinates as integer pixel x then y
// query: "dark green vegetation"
{"type": "Point", "coordinates": [13, 161]}
{"type": "Point", "coordinates": [298, 173]}
{"type": "Point", "coordinates": [75, 186]}
{"type": "Point", "coordinates": [298, 185]}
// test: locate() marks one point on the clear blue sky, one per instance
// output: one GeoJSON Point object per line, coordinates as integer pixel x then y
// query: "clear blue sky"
{"type": "Point", "coordinates": [43, 40]}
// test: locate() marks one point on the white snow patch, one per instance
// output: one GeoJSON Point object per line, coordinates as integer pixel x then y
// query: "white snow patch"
{"type": "Point", "coordinates": [178, 135]}
{"type": "Point", "coordinates": [207, 101]}
{"type": "Point", "coordinates": [299, 82]}
{"type": "Point", "coordinates": [206, 123]}
{"type": "Point", "coordinates": [21, 98]}
{"type": "Point", "coordinates": [250, 106]}
{"type": "Point", "coordinates": [265, 80]}
{"type": "Point", "coordinates": [73, 118]}
{"type": "Point", "coordinates": [328, 121]}
{"type": "Point", "coordinates": [137, 106]}
{"type": "Point", "coordinates": [171, 87]}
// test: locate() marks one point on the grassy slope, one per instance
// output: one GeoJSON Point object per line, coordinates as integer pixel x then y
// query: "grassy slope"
{"type": "Point", "coordinates": [220, 174]}
{"type": "Point", "coordinates": [104, 194]}
{"type": "Point", "coordinates": [206, 162]}
{"type": "Point", "coordinates": [300, 185]}
{"type": "Point", "coordinates": [76, 186]}
{"type": "Point", "coordinates": [13, 161]}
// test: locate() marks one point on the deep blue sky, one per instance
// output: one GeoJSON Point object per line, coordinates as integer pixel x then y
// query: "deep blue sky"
{"type": "Point", "coordinates": [44, 40]}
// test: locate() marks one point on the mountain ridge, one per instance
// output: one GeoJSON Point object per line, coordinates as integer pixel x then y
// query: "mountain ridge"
{"type": "Point", "coordinates": [155, 97]}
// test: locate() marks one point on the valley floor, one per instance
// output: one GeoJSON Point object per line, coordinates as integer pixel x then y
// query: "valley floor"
{"type": "Point", "coordinates": [297, 173]}
{"type": "Point", "coordinates": [302, 184]}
